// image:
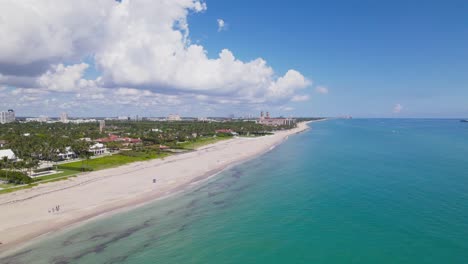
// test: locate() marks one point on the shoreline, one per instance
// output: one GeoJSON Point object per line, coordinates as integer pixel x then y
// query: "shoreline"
{"type": "Point", "coordinates": [107, 192]}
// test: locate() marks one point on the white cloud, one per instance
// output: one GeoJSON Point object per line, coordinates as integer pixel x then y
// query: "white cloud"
{"type": "Point", "coordinates": [286, 108]}
{"type": "Point", "coordinates": [321, 90]}
{"type": "Point", "coordinates": [397, 108]}
{"type": "Point", "coordinates": [65, 78]}
{"type": "Point", "coordinates": [152, 53]}
{"type": "Point", "coordinates": [143, 44]}
{"type": "Point", "coordinates": [221, 25]}
{"type": "Point", "coordinates": [300, 98]}
{"type": "Point", "coordinates": [35, 32]}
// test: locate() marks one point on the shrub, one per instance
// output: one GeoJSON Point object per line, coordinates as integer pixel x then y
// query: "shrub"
{"type": "Point", "coordinates": [15, 177]}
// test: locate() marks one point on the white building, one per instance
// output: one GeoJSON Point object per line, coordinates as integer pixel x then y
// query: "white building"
{"type": "Point", "coordinates": [173, 117]}
{"type": "Point", "coordinates": [69, 154]}
{"type": "Point", "coordinates": [64, 117]}
{"type": "Point", "coordinates": [8, 153]}
{"type": "Point", "coordinates": [98, 149]}
{"type": "Point", "coordinates": [7, 116]}
{"type": "Point", "coordinates": [81, 121]}
{"type": "Point", "coordinates": [267, 120]}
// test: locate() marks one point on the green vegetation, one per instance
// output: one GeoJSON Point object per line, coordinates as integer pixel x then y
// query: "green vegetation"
{"type": "Point", "coordinates": [63, 173]}
{"type": "Point", "coordinates": [14, 177]}
{"type": "Point", "coordinates": [191, 145]}
{"type": "Point", "coordinates": [5, 185]}
{"type": "Point", "coordinates": [106, 162]}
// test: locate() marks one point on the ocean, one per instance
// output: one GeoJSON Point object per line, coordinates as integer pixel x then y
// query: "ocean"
{"type": "Point", "coordinates": [345, 191]}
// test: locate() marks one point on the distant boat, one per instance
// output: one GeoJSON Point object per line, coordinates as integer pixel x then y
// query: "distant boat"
{"type": "Point", "coordinates": [464, 120]}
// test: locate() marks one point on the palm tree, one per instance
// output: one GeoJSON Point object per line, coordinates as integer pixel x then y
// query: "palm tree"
{"type": "Point", "coordinates": [6, 165]}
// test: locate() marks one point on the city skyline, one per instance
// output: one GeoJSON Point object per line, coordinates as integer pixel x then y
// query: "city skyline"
{"type": "Point", "coordinates": [65, 117]}
{"type": "Point", "coordinates": [208, 58]}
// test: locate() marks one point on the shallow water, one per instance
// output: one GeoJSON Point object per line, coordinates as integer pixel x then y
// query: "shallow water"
{"type": "Point", "coordinates": [347, 191]}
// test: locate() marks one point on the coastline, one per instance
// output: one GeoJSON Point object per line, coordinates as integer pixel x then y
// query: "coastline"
{"type": "Point", "coordinates": [25, 214]}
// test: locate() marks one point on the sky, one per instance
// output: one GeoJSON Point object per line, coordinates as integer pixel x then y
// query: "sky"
{"type": "Point", "coordinates": [217, 58]}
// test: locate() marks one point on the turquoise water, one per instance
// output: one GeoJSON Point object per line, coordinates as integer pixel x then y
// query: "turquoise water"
{"type": "Point", "coordinates": [347, 191]}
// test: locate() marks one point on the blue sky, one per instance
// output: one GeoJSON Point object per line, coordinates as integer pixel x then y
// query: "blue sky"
{"type": "Point", "coordinates": [371, 54]}
{"type": "Point", "coordinates": [359, 58]}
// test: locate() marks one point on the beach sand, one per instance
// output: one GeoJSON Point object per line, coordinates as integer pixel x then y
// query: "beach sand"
{"type": "Point", "coordinates": [27, 214]}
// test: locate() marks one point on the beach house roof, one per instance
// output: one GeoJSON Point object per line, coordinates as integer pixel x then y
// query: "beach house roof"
{"type": "Point", "coordinates": [7, 153]}
{"type": "Point", "coordinates": [97, 145]}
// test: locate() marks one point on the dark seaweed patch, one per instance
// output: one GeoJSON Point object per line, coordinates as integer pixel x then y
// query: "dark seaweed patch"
{"type": "Point", "coordinates": [192, 203]}
{"type": "Point", "coordinates": [102, 246]}
{"type": "Point", "coordinates": [211, 194]}
{"type": "Point", "coordinates": [183, 227]}
{"type": "Point", "coordinates": [170, 212]}
{"type": "Point", "coordinates": [241, 188]}
{"type": "Point", "coordinates": [12, 259]}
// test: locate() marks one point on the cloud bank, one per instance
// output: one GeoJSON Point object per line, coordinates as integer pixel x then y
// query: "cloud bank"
{"type": "Point", "coordinates": [141, 45]}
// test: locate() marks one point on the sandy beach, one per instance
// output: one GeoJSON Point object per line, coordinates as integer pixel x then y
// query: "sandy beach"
{"type": "Point", "coordinates": [27, 214]}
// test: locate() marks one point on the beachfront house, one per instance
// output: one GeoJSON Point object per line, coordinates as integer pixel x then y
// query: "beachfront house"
{"type": "Point", "coordinates": [98, 149]}
{"type": "Point", "coordinates": [8, 154]}
{"type": "Point", "coordinates": [68, 154]}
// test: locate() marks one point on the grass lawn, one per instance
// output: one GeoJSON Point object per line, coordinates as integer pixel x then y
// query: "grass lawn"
{"type": "Point", "coordinates": [201, 142]}
{"type": "Point", "coordinates": [63, 173]}
{"type": "Point", "coordinates": [5, 185]}
{"type": "Point", "coordinates": [111, 161]}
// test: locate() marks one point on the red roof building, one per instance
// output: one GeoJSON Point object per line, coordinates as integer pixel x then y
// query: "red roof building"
{"type": "Point", "coordinates": [224, 131]}
{"type": "Point", "coordinates": [114, 138]}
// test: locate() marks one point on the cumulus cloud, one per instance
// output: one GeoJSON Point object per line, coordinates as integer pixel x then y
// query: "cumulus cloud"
{"type": "Point", "coordinates": [151, 53]}
{"type": "Point", "coordinates": [221, 25]}
{"type": "Point", "coordinates": [397, 108]}
{"type": "Point", "coordinates": [142, 44]}
{"type": "Point", "coordinates": [66, 78]}
{"type": "Point", "coordinates": [35, 33]}
{"type": "Point", "coordinates": [321, 90]}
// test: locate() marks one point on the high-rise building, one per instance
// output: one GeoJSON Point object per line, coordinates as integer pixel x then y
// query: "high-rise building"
{"type": "Point", "coordinates": [64, 117]}
{"type": "Point", "coordinates": [102, 125]}
{"type": "Point", "coordinates": [7, 116]}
